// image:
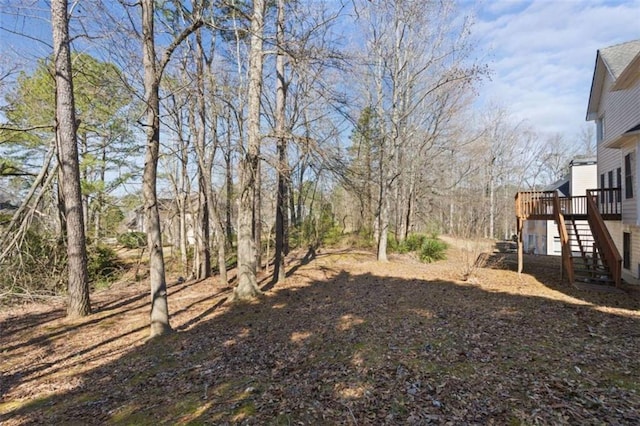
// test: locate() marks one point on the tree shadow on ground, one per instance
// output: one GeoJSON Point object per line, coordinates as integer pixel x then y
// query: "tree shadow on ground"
{"type": "Point", "coordinates": [54, 328]}
{"type": "Point", "coordinates": [548, 271]}
{"type": "Point", "coordinates": [368, 349]}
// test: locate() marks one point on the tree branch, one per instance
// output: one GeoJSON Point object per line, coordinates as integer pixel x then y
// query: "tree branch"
{"type": "Point", "coordinates": [166, 56]}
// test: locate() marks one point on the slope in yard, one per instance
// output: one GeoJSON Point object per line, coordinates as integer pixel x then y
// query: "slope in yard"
{"type": "Point", "coordinates": [347, 340]}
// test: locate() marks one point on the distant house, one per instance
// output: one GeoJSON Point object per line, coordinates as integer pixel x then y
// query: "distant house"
{"type": "Point", "coordinates": [614, 106]}
{"type": "Point", "coordinates": [542, 236]}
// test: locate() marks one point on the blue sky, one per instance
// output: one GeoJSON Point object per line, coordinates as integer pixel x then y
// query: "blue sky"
{"type": "Point", "coordinates": [542, 55]}
{"type": "Point", "coordinates": [541, 52]}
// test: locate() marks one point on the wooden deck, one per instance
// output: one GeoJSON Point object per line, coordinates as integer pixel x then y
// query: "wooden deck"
{"type": "Point", "coordinates": [595, 207]}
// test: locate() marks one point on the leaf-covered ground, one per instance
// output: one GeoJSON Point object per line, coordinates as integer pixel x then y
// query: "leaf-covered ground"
{"type": "Point", "coordinates": [346, 341]}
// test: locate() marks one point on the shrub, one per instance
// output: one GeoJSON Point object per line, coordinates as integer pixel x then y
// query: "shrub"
{"type": "Point", "coordinates": [103, 265]}
{"type": "Point", "coordinates": [133, 240]}
{"type": "Point", "coordinates": [432, 250]}
{"type": "Point", "coordinates": [39, 266]}
{"type": "Point", "coordinates": [392, 244]}
{"type": "Point", "coordinates": [332, 236]}
{"type": "Point", "coordinates": [414, 242]}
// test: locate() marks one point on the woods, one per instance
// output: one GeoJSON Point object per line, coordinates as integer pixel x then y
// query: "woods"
{"type": "Point", "coordinates": [231, 133]}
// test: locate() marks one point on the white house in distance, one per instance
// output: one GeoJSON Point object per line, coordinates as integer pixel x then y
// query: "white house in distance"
{"type": "Point", "coordinates": [614, 106]}
{"type": "Point", "coordinates": [541, 236]}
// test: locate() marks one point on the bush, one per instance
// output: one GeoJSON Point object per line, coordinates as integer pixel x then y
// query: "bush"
{"type": "Point", "coordinates": [414, 242]}
{"type": "Point", "coordinates": [133, 240]}
{"type": "Point", "coordinates": [332, 236]}
{"type": "Point", "coordinates": [39, 266]}
{"type": "Point", "coordinates": [103, 265]}
{"type": "Point", "coordinates": [432, 250]}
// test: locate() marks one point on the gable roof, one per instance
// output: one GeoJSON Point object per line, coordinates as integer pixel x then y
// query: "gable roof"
{"type": "Point", "coordinates": [617, 57]}
{"type": "Point", "coordinates": [563, 186]}
{"type": "Point", "coordinates": [616, 61]}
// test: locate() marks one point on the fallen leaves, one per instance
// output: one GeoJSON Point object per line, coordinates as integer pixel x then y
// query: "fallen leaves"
{"type": "Point", "coordinates": [345, 341]}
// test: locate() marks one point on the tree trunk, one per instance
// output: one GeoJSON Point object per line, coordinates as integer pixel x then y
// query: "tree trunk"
{"type": "Point", "coordinates": [183, 197]}
{"type": "Point", "coordinates": [257, 215]}
{"type": "Point", "coordinates": [492, 202]}
{"type": "Point", "coordinates": [385, 164]}
{"type": "Point", "coordinates": [203, 268]}
{"type": "Point", "coordinates": [229, 187]}
{"type": "Point", "coordinates": [78, 284]}
{"type": "Point", "coordinates": [84, 177]}
{"type": "Point", "coordinates": [197, 122]}
{"type": "Point", "coordinates": [292, 204]}
{"type": "Point", "coordinates": [247, 287]}
{"type": "Point", "coordinates": [159, 307]}
{"type": "Point", "coordinates": [281, 246]}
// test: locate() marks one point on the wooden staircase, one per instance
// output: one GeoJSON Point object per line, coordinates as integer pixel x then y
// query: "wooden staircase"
{"type": "Point", "coordinates": [589, 254]}
{"type": "Point", "coordinates": [589, 266]}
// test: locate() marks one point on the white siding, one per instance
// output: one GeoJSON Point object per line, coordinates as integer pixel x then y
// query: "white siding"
{"type": "Point", "coordinates": [583, 177]}
{"type": "Point", "coordinates": [608, 159]}
{"type": "Point", "coordinates": [622, 110]}
{"type": "Point", "coordinates": [553, 239]}
{"type": "Point", "coordinates": [629, 275]}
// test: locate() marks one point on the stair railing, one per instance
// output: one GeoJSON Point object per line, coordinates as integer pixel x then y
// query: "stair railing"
{"type": "Point", "coordinates": [603, 238]}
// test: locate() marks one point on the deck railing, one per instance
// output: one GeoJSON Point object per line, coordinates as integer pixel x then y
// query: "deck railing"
{"type": "Point", "coordinates": [608, 200]}
{"type": "Point", "coordinates": [534, 203]}
{"type": "Point", "coordinates": [541, 203]}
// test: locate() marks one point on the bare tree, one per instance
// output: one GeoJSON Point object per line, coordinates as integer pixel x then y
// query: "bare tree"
{"type": "Point", "coordinates": [247, 283]}
{"type": "Point", "coordinates": [281, 234]}
{"type": "Point", "coordinates": [153, 71]}
{"type": "Point", "coordinates": [418, 70]}
{"type": "Point", "coordinates": [78, 287]}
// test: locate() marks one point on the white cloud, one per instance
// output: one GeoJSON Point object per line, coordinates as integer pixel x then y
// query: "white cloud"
{"type": "Point", "coordinates": [543, 55]}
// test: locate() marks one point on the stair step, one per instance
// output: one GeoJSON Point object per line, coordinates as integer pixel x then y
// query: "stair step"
{"type": "Point", "coordinates": [582, 266]}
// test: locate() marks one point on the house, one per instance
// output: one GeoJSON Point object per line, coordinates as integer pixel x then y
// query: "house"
{"type": "Point", "coordinates": [608, 252]}
{"type": "Point", "coordinates": [614, 106]}
{"type": "Point", "coordinates": [542, 236]}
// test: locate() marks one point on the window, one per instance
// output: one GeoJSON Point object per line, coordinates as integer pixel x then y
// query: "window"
{"type": "Point", "coordinates": [610, 193]}
{"type": "Point", "coordinates": [602, 186]}
{"type": "Point", "coordinates": [626, 250]}
{"type": "Point", "coordinates": [628, 177]}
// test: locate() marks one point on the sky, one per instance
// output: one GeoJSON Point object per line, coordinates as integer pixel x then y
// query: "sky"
{"type": "Point", "coordinates": [541, 52]}
{"type": "Point", "coordinates": [542, 55]}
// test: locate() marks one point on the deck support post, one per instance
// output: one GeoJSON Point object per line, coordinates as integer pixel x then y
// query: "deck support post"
{"type": "Point", "coordinates": [520, 244]}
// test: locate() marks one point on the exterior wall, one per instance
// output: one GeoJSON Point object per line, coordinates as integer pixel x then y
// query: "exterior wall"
{"type": "Point", "coordinates": [583, 177]}
{"type": "Point", "coordinates": [630, 275]}
{"type": "Point", "coordinates": [608, 158]}
{"type": "Point", "coordinates": [622, 109]}
{"type": "Point", "coordinates": [629, 205]}
{"type": "Point", "coordinates": [553, 239]}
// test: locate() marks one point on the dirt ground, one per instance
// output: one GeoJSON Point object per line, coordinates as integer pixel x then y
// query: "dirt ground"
{"type": "Point", "coordinates": [346, 340]}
